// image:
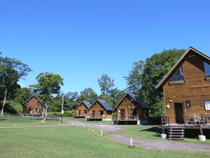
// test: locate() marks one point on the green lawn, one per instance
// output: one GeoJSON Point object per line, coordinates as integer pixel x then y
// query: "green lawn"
{"type": "Point", "coordinates": [12, 121]}
{"type": "Point", "coordinates": [152, 132]}
{"type": "Point", "coordinates": [72, 142]}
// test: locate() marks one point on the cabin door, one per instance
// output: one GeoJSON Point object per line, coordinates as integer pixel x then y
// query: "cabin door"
{"type": "Point", "coordinates": [122, 113]}
{"type": "Point", "coordinates": [93, 113]}
{"type": "Point", "coordinates": [179, 112]}
{"type": "Point", "coordinates": [79, 112]}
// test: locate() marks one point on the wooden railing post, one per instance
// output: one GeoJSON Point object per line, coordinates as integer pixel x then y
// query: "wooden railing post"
{"type": "Point", "coordinates": [162, 120]}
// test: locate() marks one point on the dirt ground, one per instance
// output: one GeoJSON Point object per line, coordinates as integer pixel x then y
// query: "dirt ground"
{"type": "Point", "coordinates": [118, 136]}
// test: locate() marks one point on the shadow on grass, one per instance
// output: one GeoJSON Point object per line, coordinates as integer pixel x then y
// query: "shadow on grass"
{"type": "Point", "coordinates": [154, 130]}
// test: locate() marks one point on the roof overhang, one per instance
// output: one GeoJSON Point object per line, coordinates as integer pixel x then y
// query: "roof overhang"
{"type": "Point", "coordinates": [165, 78]}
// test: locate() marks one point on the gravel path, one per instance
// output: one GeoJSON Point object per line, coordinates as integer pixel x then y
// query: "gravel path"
{"type": "Point", "coordinates": [118, 136]}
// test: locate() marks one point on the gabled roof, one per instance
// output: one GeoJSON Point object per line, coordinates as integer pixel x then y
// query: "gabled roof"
{"type": "Point", "coordinates": [136, 98]}
{"type": "Point", "coordinates": [104, 104]}
{"type": "Point", "coordinates": [160, 84]}
{"type": "Point", "coordinates": [31, 98]}
{"type": "Point", "coordinates": [87, 104]}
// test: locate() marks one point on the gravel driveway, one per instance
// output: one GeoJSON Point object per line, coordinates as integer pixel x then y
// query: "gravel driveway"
{"type": "Point", "coordinates": [118, 136]}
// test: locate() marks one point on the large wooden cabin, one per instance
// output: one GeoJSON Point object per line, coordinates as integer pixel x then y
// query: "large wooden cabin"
{"type": "Point", "coordinates": [81, 109]}
{"type": "Point", "coordinates": [99, 110]}
{"type": "Point", "coordinates": [186, 91]}
{"type": "Point", "coordinates": [132, 108]}
{"type": "Point", "coordinates": [32, 106]}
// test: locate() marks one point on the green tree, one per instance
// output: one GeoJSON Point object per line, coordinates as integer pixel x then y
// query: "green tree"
{"type": "Point", "coordinates": [87, 95]}
{"type": "Point", "coordinates": [22, 95]}
{"type": "Point", "coordinates": [150, 74]}
{"type": "Point", "coordinates": [105, 83]}
{"type": "Point", "coordinates": [11, 70]}
{"type": "Point", "coordinates": [48, 84]}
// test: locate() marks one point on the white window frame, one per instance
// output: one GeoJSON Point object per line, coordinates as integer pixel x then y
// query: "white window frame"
{"type": "Point", "coordinates": [207, 105]}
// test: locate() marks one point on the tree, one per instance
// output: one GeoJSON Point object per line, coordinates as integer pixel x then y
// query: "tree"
{"type": "Point", "coordinates": [48, 84]}
{"type": "Point", "coordinates": [87, 95]}
{"type": "Point", "coordinates": [134, 80]}
{"type": "Point", "coordinates": [11, 70]}
{"type": "Point", "coordinates": [150, 74]}
{"type": "Point", "coordinates": [22, 95]}
{"type": "Point", "coordinates": [105, 83]}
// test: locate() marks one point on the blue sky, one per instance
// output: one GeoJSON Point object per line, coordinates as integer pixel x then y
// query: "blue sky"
{"type": "Point", "coordinates": [81, 40]}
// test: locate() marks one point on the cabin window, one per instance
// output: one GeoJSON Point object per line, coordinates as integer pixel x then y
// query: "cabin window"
{"type": "Point", "coordinates": [84, 112]}
{"type": "Point", "coordinates": [38, 103]}
{"type": "Point", "coordinates": [207, 71]}
{"type": "Point", "coordinates": [188, 104]}
{"type": "Point", "coordinates": [131, 100]}
{"type": "Point", "coordinates": [178, 77]}
{"type": "Point", "coordinates": [125, 100]}
{"type": "Point", "coordinates": [36, 110]}
{"type": "Point", "coordinates": [100, 112]}
{"type": "Point", "coordinates": [207, 105]}
{"type": "Point", "coordinates": [132, 112]}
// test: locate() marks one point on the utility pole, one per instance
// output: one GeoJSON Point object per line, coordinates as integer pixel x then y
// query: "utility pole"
{"type": "Point", "coordinates": [62, 108]}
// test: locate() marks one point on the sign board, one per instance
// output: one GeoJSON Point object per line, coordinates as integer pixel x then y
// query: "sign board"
{"type": "Point", "coordinates": [62, 111]}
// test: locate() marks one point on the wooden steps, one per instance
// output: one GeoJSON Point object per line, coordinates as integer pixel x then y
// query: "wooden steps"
{"type": "Point", "coordinates": [176, 133]}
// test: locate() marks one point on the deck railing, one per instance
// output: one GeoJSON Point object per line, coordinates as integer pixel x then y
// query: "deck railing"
{"type": "Point", "coordinates": [165, 120]}
{"type": "Point", "coordinates": [132, 117]}
{"type": "Point", "coordinates": [189, 119]}
{"type": "Point", "coordinates": [196, 119]}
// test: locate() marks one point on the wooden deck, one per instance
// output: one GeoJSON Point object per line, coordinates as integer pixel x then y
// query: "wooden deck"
{"type": "Point", "coordinates": [78, 116]}
{"type": "Point", "coordinates": [124, 122]}
{"type": "Point", "coordinates": [191, 121]}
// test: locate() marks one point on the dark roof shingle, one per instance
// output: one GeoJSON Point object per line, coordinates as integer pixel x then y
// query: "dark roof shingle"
{"type": "Point", "coordinates": [106, 106]}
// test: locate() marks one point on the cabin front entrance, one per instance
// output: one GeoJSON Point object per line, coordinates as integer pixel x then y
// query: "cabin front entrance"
{"type": "Point", "coordinates": [178, 107]}
{"type": "Point", "coordinates": [122, 113]}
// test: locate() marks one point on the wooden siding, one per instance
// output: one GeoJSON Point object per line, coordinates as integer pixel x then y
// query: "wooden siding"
{"type": "Point", "coordinates": [130, 105]}
{"type": "Point", "coordinates": [32, 105]}
{"type": "Point", "coordinates": [194, 89]}
{"type": "Point", "coordinates": [97, 107]}
{"type": "Point", "coordinates": [81, 107]}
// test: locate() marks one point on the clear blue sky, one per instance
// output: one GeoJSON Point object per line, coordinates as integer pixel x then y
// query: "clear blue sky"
{"type": "Point", "coordinates": [81, 40]}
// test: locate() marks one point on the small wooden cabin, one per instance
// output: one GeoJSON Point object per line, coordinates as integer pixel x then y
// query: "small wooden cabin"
{"type": "Point", "coordinates": [32, 106]}
{"type": "Point", "coordinates": [132, 108]}
{"type": "Point", "coordinates": [81, 109]}
{"type": "Point", "coordinates": [99, 110]}
{"type": "Point", "coordinates": [186, 91]}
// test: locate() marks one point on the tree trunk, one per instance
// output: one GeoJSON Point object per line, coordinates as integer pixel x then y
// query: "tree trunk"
{"type": "Point", "coordinates": [4, 102]}
{"type": "Point", "coordinates": [46, 111]}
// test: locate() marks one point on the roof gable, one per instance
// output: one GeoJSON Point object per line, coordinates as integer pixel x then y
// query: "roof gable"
{"type": "Point", "coordinates": [104, 104]}
{"type": "Point", "coordinates": [87, 104]}
{"type": "Point", "coordinates": [136, 98]}
{"type": "Point", "coordinates": [33, 96]}
{"type": "Point", "coordinates": [181, 59]}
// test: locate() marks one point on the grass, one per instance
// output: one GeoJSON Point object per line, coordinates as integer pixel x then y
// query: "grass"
{"type": "Point", "coordinates": [11, 121]}
{"type": "Point", "coordinates": [83, 120]}
{"type": "Point", "coordinates": [152, 132]}
{"type": "Point", "coordinates": [73, 142]}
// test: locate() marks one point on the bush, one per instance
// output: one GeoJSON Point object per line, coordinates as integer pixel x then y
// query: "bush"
{"type": "Point", "coordinates": [66, 113]}
{"type": "Point", "coordinates": [156, 120]}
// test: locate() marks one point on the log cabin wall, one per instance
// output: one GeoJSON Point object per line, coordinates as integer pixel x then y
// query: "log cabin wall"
{"type": "Point", "coordinates": [32, 105]}
{"type": "Point", "coordinates": [127, 105]}
{"type": "Point", "coordinates": [193, 89]}
{"type": "Point", "coordinates": [97, 107]}
{"type": "Point", "coordinates": [81, 107]}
